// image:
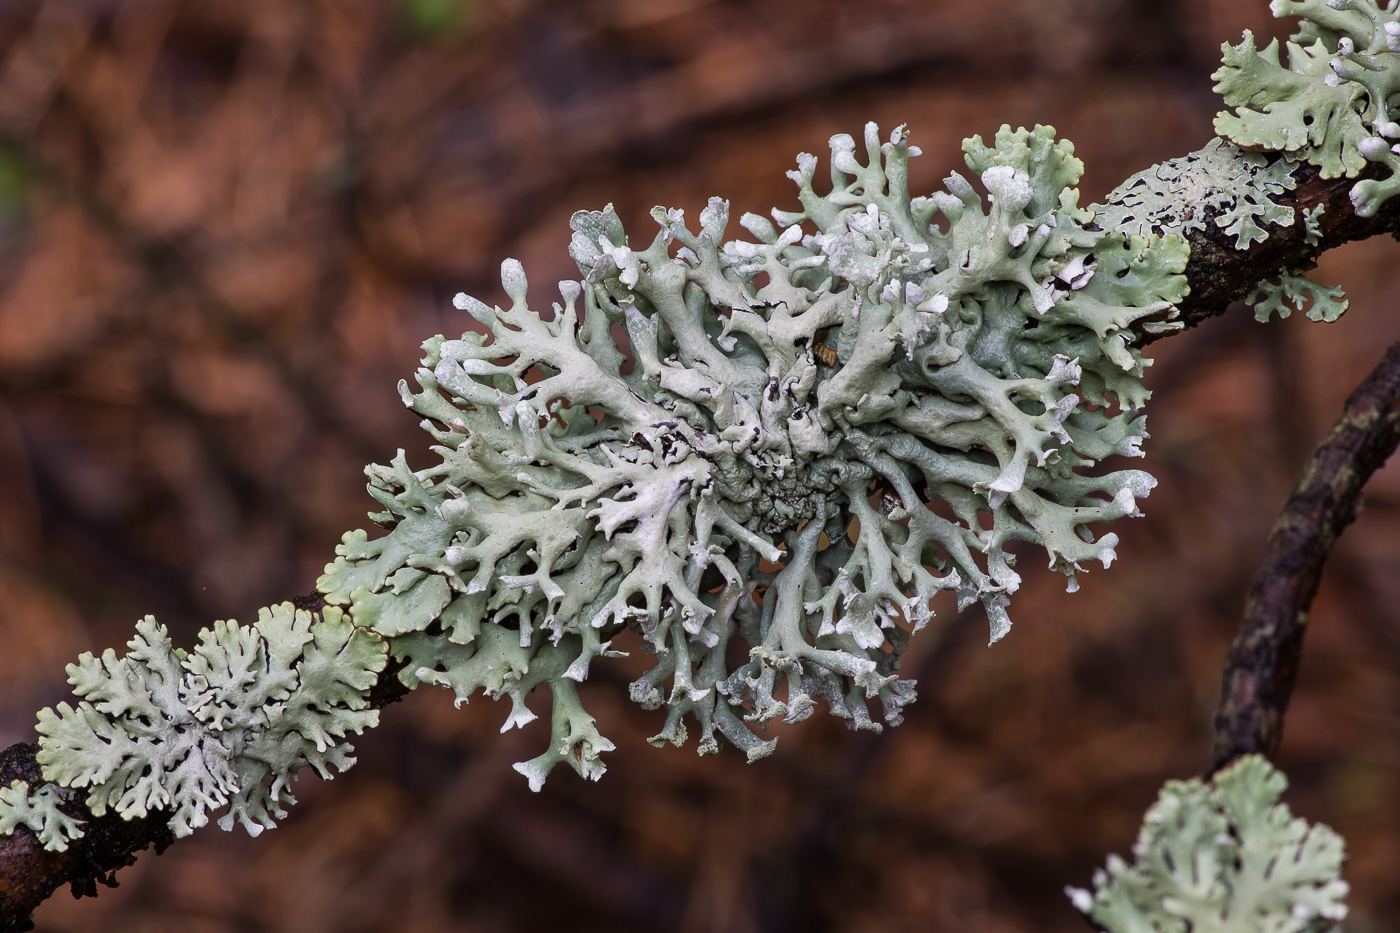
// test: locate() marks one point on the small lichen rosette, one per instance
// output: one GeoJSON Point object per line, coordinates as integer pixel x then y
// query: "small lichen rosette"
{"type": "Point", "coordinates": [811, 433]}
{"type": "Point", "coordinates": [1217, 184]}
{"type": "Point", "coordinates": [229, 723]}
{"type": "Point", "coordinates": [1332, 104]}
{"type": "Point", "coordinates": [1234, 190]}
{"type": "Point", "coordinates": [1222, 857]}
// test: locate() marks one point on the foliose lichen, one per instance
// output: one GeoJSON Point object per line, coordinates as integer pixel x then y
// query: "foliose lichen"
{"type": "Point", "coordinates": [1220, 183]}
{"type": "Point", "coordinates": [818, 430]}
{"type": "Point", "coordinates": [1234, 190]}
{"type": "Point", "coordinates": [229, 723]}
{"type": "Point", "coordinates": [1222, 857]}
{"type": "Point", "coordinates": [1331, 104]}
{"type": "Point", "coordinates": [1290, 292]}
{"type": "Point", "coordinates": [41, 811]}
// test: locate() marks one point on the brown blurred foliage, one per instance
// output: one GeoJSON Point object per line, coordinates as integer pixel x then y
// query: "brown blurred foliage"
{"type": "Point", "coordinates": [225, 226]}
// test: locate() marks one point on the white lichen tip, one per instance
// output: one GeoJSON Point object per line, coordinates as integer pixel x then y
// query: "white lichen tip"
{"type": "Point", "coordinates": [1010, 188]}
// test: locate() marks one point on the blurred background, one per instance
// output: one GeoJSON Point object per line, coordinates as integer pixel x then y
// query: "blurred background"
{"type": "Point", "coordinates": [225, 227]}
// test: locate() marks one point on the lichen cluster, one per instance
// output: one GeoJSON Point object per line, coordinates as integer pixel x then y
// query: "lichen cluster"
{"type": "Point", "coordinates": [229, 723]}
{"type": "Point", "coordinates": [804, 437]}
{"type": "Point", "coordinates": [1218, 184]}
{"type": "Point", "coordinates": [1222, 857]}
{"type": "Point", "coordinates": [1331, 104]}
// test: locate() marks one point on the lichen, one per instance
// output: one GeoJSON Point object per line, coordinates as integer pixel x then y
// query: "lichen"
{"type": "Point", "coordinates": [1290, 292]}
{"type": "Point", "coordinates": [819, 429]}
{"type": "Point", "coordinates": [40, 811]}
{"type": "Point", "coordinates": [803, 438]}
{"type": "Point", "coordinates": [1222, 857]}
{"type": "Point", "coordinates": [1312, 224]}
{"type": "Point", "coordinates": [230, 723]}
{"type": "Point", "coordinates": [1330, 105]}
{"type": "Point", "coordinates": [1219, 183]}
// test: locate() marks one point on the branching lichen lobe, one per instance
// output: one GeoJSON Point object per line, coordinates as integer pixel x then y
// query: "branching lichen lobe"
{"type": "Point", "coordinates": [767, 474]}
{"type": "Point", "coordinates": [30, 873]}
{"type": "Point", "coordinates": [768, 469]}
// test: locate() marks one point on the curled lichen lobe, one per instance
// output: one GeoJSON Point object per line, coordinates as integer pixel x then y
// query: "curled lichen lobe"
{"type": "Point", "coordinates": [822, 426]}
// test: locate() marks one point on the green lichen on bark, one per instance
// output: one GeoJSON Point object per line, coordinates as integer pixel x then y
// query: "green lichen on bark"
{"type": "Point", "coordinates": [1222, 857]}
{"type": "Point", "coordinates": [824, 425]}
{"type": "Point", "coordinates": [1330, 101]}
{"type": "Point", "coordinates": [229, 723]}
{"type": "Point", "coordinates": [1218, 184]}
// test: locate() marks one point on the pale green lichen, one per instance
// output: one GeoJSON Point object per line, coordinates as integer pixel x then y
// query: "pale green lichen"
{"type": "Point", "coordinates": [229, 723]}
{"type": "Point", "coordinates": [1222, 857]}
{"type": "Point", "coordinates": [1312, 221]}
{"type": "Point", "coordinates": [1234, 190]}
{"type": "Point", "coordinates": [1293, 292]}
{"type": "Point", "coordinates": [1331, 103]}
{"type": "Point", "coordinates": [41, 812]}
{"type": "Point", "coordinates": [821, 428]}
{"type": "Point", "coordinates": [1218, 184]}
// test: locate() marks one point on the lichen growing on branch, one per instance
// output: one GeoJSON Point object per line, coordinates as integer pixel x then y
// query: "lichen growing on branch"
{"type": "Point", "coordinates": [803, 438]}
{"type": "Point", "coordinates": [1331, 104]}
{"type": "Point", "coordinates": [806, 435]}
{"type": "Point", "coordinates": [1218, 184]}
{"type": "Point", "coordinates": [175, 733]}
{"type": "Point", "coordinates": [1220, 857]}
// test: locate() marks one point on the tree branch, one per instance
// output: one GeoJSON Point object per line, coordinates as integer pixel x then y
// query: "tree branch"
{"type": "Point", "coordinates": [1263, 661]}
{"type": "Point", "coordinates": [1218, 274]}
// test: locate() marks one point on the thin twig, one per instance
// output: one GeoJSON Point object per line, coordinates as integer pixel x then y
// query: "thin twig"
{"type": "Point", "coordinates": [1263, 661]}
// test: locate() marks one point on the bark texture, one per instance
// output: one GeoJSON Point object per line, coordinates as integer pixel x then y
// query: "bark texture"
{"type": "Point", "coordinates": [1263, 661]}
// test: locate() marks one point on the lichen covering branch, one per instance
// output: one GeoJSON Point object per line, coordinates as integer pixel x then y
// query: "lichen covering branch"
{"type": "Point", "coordinates": [805, 436]}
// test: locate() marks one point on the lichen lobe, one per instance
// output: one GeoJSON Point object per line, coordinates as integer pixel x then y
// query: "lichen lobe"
{"type": "Point", "coordinates": [822, 427]}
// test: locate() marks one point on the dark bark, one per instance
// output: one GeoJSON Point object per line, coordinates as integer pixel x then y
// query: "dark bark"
{"type": "Point", "coordinates": [1263, 661]}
